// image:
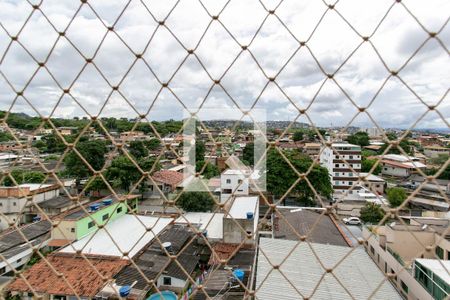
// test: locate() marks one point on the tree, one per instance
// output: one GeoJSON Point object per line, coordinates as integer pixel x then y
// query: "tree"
{"type": "Point", "coordinates": [209, 170]}
{"type": "Point", "coordinates": [404, 144]}
{"type": "Point", "coordinates": [396, 196]}
{"type": "Point", "coordinates": [5, 136]}
{"type": "Point", "coordinates": [298, 136]}
{"type": "Point", "coordinates": [23, 176]}
{"type": "Point", "coordinates": [280, 176]}
{"type": "Point", "coordinates": [360, 138]}
{"type": "Point", "coordinates": [248, 154]}
{"type": "Point", "coordinates": [199, 151]}
{"type": "Point", "coordinates": [371, 213]}
{"type": "Point", "coordinates": [366, 166]}
{"type": "Point", "coordinates": [138, 149]}
{"type": "Point", "coordinates": [152, 144]}
{"type": "Point", "coordinates": [196, 201]}
{"type": "Point", "coordinates": [122, 173]}
{"type": "Point", "coordinates": [92, 151]}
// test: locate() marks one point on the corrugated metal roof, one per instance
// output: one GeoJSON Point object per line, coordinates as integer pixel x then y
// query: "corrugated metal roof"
{"type": "Point", "coordinates": [357, 272]}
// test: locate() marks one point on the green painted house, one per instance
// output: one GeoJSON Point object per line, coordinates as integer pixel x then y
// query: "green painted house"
{"type": "Point", "coordinates": [81, 221]}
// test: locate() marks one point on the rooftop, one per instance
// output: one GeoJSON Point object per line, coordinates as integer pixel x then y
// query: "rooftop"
{"type": "Point", "coordinates": [439, 267]}
{"type": "Point", "coordinates": [31, 231]}
{"type": "Point", "coordinates": [125, 234]}
{"type": "Point", "coordinates": [318, 228]}
{"type": "Point", "coordinates": [81, 212]}
{"type": "Point", "coordinates": [357, 272]}
{"type": "Point", "coordinates": [212, 222]}
{"type": "Point", "coordinates": [168, 177]}
{"type": "Point", "coordinates": [241, 205]}
{"type": "Point", "coordinates": [152, 261]}
{"type": "Point", "coordinates": [82, 279]}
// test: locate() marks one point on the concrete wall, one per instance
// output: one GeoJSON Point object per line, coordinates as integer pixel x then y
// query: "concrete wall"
{"type": "Point", "coordinates": [387, 264]}
{"type": "Point", "coordinates": [406, 245]}
{"type": "Point", "coordinates": [64, 231]}
{"type": "Point", "coordinates": [394, 171]}
{"type": "Point", "coordinates": [238, 185]}
{"type": "Point", "coordinates": [177, 284]}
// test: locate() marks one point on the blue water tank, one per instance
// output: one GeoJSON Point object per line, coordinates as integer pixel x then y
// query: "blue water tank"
{"type": "Point", "coordinates": [239, 274]}
{"type": "Point", "coordinates": [205, 233]}
{"type": "Point", "coordinates": [125, 290]}
{"type": "Point", "coordinates": [249, 215]}
{"type": "Point", "coordinates": [107, 202]}
{"type": "Point", "coordinates": [37, 218]}
{"type": "Point", "coordinates": [94, 207]}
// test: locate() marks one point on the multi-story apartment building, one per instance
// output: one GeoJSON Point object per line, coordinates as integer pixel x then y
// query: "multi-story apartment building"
{"type": "Point", "coordinates": [343, 162]}
{"type": "Point", "coordinates": [400, 250]}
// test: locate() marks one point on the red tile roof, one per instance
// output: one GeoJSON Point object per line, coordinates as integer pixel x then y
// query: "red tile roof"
{"type": "Point", "coordinates": [81, 276]}
{"type": "Point", "coordinates": [172, 178]}
{"type": "Point", "coordinates": [222, 251]}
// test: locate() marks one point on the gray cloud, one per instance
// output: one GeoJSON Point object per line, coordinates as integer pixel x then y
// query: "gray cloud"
{"type": "Point", "coordinates": [396, 39]}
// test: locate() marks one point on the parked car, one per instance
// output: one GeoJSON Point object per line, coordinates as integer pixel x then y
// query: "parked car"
{"type": "Point", "coordinates": [352, 221]}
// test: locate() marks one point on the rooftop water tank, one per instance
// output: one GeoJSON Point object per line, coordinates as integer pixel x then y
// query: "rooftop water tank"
{"type": "Point", "coordinates": [249, 215]}
{"type": "Point", "coordinates": [37, 218]}
{"type": "Point", "coordinates": [239, 274]}
{"type": "Point", "coordinates": [167, 246]}
{"type": "Point", "coordinates": [107, 202]}
{"type": "Point", "coordinates": [94, 207]}
{"type": "Point", "coordinates": [125, 290]}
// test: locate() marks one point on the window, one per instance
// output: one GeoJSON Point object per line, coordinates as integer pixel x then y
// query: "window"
{"type": "Point", "coordinates": [227, 191]}
{"type": "Point", "coordinates": [167, 281]}
{"type": "Point", "coordinates": [119, 210]}
{"type": "Point", "coordinates": [1, 204]}
{"type": "Point", "coordinates": [350, 174]}
{"type": "Point", "coordinates": [372, 250]}
{"type": "Point", "coordinates": [19, 260]}
{"type": "Point", "coordinates": [404, 286]}
{"type": "Point", "coordinates": [351, 156]}
{"type": "Point", "coordinates": [336, 165]}
{"type": "Point", "coordinates": [439, 252]}
{"type": "Point", "coordinates": [91, 224]}
{"type": "Point", "coordinates": [336, 174]}
{"type": "Point", "coordinates": [105, 217]}
{"type": "Point", "coordinates": [228, 181]}
{"type": "Point", "coordinates": [72, 229]}
{"type": "Point", "coordinates": [14, 204]}
{"type": "Point", "coordinates": [239, 181]}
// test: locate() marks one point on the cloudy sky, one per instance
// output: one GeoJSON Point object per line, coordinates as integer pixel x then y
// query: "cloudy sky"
{"type": "Point", "coordinates": [273, 51]}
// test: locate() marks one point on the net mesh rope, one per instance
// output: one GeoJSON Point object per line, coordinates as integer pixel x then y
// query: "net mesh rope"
{"type": "Point", "coordinates": [18, 92]}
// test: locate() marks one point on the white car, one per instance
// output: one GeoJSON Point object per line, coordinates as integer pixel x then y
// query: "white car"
{"type": "Point", "coordinates": [352, 221]}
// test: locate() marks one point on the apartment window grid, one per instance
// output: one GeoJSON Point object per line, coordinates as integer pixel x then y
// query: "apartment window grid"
{"type": "Point", "coordinates": [14, 42]}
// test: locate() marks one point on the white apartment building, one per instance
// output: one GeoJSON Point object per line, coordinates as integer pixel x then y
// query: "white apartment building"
{"type": "Point", "coordinates": [343, 162]}
{"type": "Point", "coordinates": [399, 165]}
{"type": "Point", "coordinates": [233, 182]}
{"type": "Point", "coordinates": [14, 203]}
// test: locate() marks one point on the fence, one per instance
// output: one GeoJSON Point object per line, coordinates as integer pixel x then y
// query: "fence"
{"type": "Point", "coordinates": [122, 66]}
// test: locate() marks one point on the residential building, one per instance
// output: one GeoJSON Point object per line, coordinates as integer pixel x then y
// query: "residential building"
{"type": "Point", "coordinates": [129, 136]}
{"type": "Point", "coordinates": [312, 149]}
{"type": "Point", "coordinates": [127, 234]}
{"type": "Point", "coordinates": [374, 131]}
{"type": "Point", "coordinates": [16, 201]}
{"type": "Point", "coordinates": [354, 269]}
{"type": "Point", "coordinates": [80, 222]}
{"type": "Point", "coordinates": [165, 181]}
{"type": "Point", "coordinates": [233, 182]}
{"type": "Point", "coordinates": [210, 224]}
{"type": "Point", "coordinates": [395, 250]}
{"type": "Point", "coordinates": [14, 246]}
{"type": "Point", "coordinates": [67, 130]}
{"type": "Point", "coordinates": [435, 151]}
{"type": "Point", "coordinates": [155, 263]}
{"type": "Point", "coordinates": [399, 165]}
{"type": "Point", "coordinates": [373, 183]}
{"type": "Point", "coordinates": [80, 278]}
{"type": "Point", "coordinates": [350, 205]}
{"type": "Point", "coordinates": [240, 222]}
{"type": "Point", "coordinates": [434, 276]}
{"type": "Point", "coordinates": [343, 162]}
